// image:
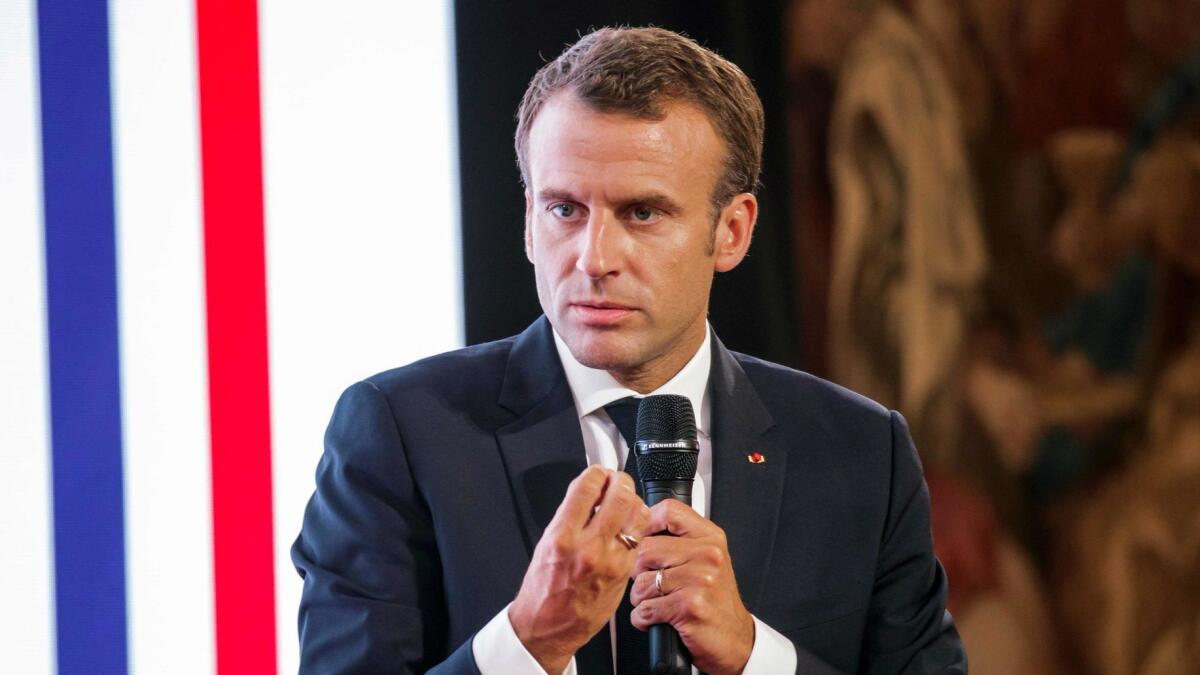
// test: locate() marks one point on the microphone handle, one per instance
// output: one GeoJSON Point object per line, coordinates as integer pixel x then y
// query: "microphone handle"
{"type": "Point", "coordinates": [668, 655]}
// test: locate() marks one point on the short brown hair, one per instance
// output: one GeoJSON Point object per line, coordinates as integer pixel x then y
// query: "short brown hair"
{"type": "Point", "coordinates": [637, 71]}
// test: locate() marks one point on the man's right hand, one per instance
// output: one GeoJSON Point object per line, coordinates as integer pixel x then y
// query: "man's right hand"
{"type": "Point", "coordinates": [580, 567]}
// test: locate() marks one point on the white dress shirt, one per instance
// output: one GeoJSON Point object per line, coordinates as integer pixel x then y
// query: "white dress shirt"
{"type": "Point", "coordinates": [496, 648]}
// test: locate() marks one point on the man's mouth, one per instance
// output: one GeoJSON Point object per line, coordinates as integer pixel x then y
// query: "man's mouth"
{"type": "Point", "coordinates": [600, 313]}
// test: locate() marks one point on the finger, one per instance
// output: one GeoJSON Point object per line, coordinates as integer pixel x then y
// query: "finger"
{"type": "Point", "coordinates": [638, 521]}
{"type": "Point", "coordinates": [672, 515]}
{"type": "Point", "coordinates": [625, 480]}
{"type": "Point", "coordinates": [618, 502]}
{"type": "Point", "coordinates": [655, 611]}
{"type": "Point", "coordinates": [660, 552]}
{"type": "Point", "coordinates": [580, 500]}
{"type": "Point", "coordinates": [644, 587]}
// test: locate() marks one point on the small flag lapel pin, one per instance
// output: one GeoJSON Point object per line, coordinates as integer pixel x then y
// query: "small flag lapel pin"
{"type": "Point", "coordinates": [756, 458]}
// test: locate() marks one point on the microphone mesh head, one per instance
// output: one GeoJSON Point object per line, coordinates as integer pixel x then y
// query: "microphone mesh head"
{"type": "Point", "coordinates": [669, 465]}
{"type": "Point", "coordinates": [665, 419]}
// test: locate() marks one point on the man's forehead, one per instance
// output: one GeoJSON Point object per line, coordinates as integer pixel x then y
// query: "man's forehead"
{"type": "Point", "coordinates": [570, 135]}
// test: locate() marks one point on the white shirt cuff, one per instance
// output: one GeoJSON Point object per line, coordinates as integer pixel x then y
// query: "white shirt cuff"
{"type": "Point", "coordinates": [771, 653]}
{"type": "Point", "coordinates": [498, 650]}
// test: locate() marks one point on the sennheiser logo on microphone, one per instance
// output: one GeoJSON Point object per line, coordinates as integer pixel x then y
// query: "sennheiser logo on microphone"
{"type": "Point", "coordinates": [666, 445]}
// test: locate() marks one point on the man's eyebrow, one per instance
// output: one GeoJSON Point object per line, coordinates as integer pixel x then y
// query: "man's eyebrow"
{"type": "Point", "coordinates": [656, 200]}
{"type": "Point", "coordinates": [552, 195]}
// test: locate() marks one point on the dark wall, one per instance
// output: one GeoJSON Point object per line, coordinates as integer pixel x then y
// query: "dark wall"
{"type": "Point", "coordinates": [499, 48]}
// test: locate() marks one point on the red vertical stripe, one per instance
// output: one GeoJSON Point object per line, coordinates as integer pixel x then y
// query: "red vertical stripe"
{"type": "Point", "coordinates": [235, 279]}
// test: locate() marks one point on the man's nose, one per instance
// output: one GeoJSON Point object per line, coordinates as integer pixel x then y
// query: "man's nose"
{"type": "Point", "coordinates": [602, 241]}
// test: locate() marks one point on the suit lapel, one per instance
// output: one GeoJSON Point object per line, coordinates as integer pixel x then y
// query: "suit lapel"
{"type": "Point", "coordinates": [543, 448]}
{"type": "Point", "coordinates": [745, 496]}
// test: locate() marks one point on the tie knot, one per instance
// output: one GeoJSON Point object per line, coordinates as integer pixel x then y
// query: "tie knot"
{"type": "Point", "coordinates": [623, 413]}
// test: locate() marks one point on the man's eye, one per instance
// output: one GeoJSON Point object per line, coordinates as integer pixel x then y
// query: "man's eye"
{"type": "Point", "coordinates": [563, 210]}
{"type": "Point", "coordinates": [643, 213]}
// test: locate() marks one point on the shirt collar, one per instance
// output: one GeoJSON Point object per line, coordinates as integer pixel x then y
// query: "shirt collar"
{"type": "Point", "coordinates": [593, 388]}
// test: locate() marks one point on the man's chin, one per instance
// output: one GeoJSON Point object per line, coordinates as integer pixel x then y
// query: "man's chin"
{"type": "Point", "coordinates": [605, 361]}
{"type": "Point", "coordinates": [603, 353]}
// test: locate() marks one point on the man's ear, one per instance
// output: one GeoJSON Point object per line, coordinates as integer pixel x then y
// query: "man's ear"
{"type": "Point", "coordinates": [528, 227]}
{"type": "Point", "coordinates": [735, 227]}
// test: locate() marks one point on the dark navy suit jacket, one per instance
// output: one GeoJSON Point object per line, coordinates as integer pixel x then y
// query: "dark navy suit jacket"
{"type": "Point", "coordinates": [439, 477]}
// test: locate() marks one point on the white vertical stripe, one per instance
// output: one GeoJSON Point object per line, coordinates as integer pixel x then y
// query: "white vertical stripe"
{"type": "Point", "coordinates": [362, 221]}
{"type": "Point", "coordinates": [27, 562]}
{"type": "Point", "coordinates": [163, 356]}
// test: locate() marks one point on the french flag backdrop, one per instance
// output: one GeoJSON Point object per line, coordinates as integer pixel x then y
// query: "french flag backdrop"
{"type": "Point", "coordinates": [214, 216]}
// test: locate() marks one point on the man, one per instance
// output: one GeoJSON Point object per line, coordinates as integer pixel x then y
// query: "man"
{"type": "Point", "coordinates": [470, 515]}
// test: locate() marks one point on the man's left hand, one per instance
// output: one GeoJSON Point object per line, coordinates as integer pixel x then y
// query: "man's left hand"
{"type": "Point", "coordinates": [699, 594]}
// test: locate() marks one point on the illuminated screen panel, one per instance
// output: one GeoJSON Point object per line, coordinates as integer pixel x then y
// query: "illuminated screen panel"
{"type": "Point", "coordinates": [360, 181]}
{"type": "Point", "coordinates": [164, 384]}
{"type": "Point", "coordinates": [114, 234]}
{"type": "Point", "coordinates": [26, 565]}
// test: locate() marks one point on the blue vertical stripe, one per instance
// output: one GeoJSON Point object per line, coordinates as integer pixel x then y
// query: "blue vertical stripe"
{"type": "Point", "coordinates": [81, 302]}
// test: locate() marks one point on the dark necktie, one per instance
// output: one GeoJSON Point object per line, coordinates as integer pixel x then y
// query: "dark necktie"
{"type": "Point", "coordinates": [633, 646]}
{"type": "Point", "coordinates": [633, 650]}
{"type": "Point", "coordinates": [624, 415]}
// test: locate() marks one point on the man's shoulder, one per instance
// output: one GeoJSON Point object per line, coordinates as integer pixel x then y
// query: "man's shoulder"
{"type": "Point", "coordinates": [779, 386]}
{"type": "Point", "coordinates": [474, 367]}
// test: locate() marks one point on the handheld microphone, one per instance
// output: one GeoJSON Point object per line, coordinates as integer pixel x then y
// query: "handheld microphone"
{"type": "Point", "coordinates": [667, 451]}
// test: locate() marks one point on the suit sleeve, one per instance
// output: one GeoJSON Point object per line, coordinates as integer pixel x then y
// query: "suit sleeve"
{"type": "Point", "coordinates": [372, 598]}
{"type": "Point", "coordinates": [908, 628]}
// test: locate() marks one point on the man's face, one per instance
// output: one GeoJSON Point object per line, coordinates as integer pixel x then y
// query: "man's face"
{"type": "Point", "coordinates": [619, 227]}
